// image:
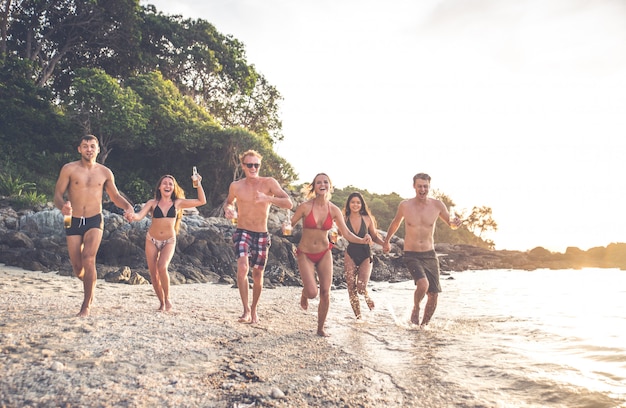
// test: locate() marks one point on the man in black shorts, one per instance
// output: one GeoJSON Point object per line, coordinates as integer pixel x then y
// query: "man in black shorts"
{"type": "Point", "coordinates": [83, 182]}
{"type": "Point", "coordinates": [421, 213]}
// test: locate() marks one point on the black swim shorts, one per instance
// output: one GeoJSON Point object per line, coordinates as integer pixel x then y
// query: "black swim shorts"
{"type": "Point", "coordinates": [80, 225]}
{"type": "Point", "coordinates": [424, 265]}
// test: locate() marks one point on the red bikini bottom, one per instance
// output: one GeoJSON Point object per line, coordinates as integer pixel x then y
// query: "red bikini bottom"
{"type": "Point", "coordinates": [315, 258]}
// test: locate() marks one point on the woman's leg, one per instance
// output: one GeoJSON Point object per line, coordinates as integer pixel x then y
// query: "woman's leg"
{"type": "Point", "coordinates": [365, 271]}
{"type": "Point", "coordinates": [325, 276]}
{"type": "Point", "coordinates": [351, 278]}
{"type": "Point", "coordinates": [152, 255]}
{"type": "Point", "coordinates": [163, 263]}
{"type": "Point", "coordinates": [307, 274]}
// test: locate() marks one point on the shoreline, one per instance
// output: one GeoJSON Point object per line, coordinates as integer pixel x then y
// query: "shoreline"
{"type": "Point", "coordinates": [126, 353]}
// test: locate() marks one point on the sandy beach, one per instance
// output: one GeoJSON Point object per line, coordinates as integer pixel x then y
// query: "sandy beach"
{"type": "Point", "coordinates": [126, 354]}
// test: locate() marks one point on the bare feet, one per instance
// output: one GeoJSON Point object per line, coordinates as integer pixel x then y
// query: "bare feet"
{"type": "Point", "coordinates": [322, 333]}
{"type": "Point", "coordinates": [244, 318]}
{"type": "Point", "coordinates": [168, 306]}
{"type": "Point", "coordinates": [254, 318]}
{"type": "Point", "coordinates": [415, 316]}
{"type": "Point", "coordinates": [304, 302]}
{"type": "Point", "coordinates": [84, 312]}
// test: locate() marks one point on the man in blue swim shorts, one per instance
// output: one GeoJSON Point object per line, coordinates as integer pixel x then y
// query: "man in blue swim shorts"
{"type": "Point", "coordinates": [420, 215]}
{"type": "Point", "coordinates": [78, 193]}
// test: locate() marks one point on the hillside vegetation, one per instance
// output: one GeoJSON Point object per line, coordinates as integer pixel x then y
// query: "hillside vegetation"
{"type": "Point", "coordinates": [163, 93]}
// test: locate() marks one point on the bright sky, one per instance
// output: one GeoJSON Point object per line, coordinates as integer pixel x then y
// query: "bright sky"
{"type": "Point", "coordinates": [518, 105]}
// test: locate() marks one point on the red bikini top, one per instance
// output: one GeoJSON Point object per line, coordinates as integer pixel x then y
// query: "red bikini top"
{"type": "Point", "coordinates": [309, 221]}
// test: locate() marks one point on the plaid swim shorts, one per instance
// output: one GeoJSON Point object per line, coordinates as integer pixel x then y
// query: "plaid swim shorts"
{"type": "Point", "coordinates": [254, 245]}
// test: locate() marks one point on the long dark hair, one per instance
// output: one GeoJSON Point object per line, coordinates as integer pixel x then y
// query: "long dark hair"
{"type": "Point", "coordinates": [364, 209]}
{"type": "Point", "coordinates": [178, 193]}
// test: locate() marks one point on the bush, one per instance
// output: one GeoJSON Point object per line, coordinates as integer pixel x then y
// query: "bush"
{"type": "Point", "coordinates": [14, 186]}
{"type": "Point", "coordinates": [28, 200]}
{"type": "Point", "coordinates": [138, 191]}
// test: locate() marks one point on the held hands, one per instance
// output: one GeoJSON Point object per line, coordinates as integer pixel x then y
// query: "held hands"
{"type": "Point", "coordinates": [386, 247]}
{"type": "Point", "coordinates": [129, 215]}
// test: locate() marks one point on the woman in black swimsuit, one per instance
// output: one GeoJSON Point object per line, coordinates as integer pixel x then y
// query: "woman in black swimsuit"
{"type": "Point", "coordinates": [167, 209]}
{"type": "Point", "coordinates": [358, 257]}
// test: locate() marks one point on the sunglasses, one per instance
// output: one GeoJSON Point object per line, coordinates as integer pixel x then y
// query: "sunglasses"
{"type": "Point", "coordinates": [251, 165]}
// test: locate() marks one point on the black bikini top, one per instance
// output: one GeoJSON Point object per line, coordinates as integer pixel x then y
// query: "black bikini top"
{"type": "Point", "coordinates": [157, 213]}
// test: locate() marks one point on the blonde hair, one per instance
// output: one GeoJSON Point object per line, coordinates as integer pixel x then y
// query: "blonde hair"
{"type": "Point", "coordinates": [311, 187]}
{"type": "Point", "coordinates": [250, 153]}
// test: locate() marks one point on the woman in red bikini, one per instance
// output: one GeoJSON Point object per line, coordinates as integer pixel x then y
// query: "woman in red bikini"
{"type": "Point", "coordinates": [314, 250]}
{"type": "Point", "coordinates": [167, 209]}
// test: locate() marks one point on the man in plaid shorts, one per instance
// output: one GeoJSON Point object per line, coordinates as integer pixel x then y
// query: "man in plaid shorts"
{"type": "Point", "coordinates": [254, 195]}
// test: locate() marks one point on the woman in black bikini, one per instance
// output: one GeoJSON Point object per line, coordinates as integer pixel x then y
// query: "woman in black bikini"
{"type": "Point", "coordinates": [167, 209]}
{"type": "Point", "coordinates": [314, 250]}
{"type": "Point", "coordinates": [358, 257]}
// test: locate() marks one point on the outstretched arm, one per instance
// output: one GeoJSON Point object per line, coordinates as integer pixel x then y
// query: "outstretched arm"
{"type": "Point", "coordinates": [374, 234]}
{"type": "Point", "coordinates": [343, 228]}
{"type": "Point", "coordinates": [393, 227]}
{"type": "Point", "coordinates": [144, 211]}
{"type": "Point", "coordinates": [195, 202]}
{"type": "Point", "coordinates": [116, 197]}
{"type": "Point", "coordinates": [297, 214]}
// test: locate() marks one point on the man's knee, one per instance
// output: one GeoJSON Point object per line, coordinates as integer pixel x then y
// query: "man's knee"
{"type": "Point", "coordinates": [77, 264]}
{"type": "Point", "coordinates": [88, 259]}
{"type": "Point", "coordinates": [243, 265]}
{"type": "Point", "coordinates": [422, 284]}
{"type": "Point", "coordinates": [257, 273]}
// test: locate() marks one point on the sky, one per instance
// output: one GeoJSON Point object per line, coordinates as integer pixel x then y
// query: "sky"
{"type": "Point", "coordinates": [517, 105]}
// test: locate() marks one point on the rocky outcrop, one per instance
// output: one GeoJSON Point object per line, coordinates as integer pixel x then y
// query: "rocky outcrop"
{"type": "Point", "coordinates": [35, 240]}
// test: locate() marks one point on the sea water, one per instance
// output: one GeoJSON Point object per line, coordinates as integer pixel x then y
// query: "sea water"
{"type": "Point", "coordinates": [499, 338]}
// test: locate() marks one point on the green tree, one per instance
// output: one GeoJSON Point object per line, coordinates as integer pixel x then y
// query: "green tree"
{"type": "Point", "coordinates": [67, 34]}
{"type": "Point", "coordinates": [103, 107]}
{"type": "Point", "coordinates": [212, 69]}
{"type": "Point", "coordinates": [34, 133]}
{"type": "Point", "coordinates": [480, 220]}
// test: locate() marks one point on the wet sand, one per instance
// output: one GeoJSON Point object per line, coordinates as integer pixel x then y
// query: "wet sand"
{"type": "Point", "coordinates": [127, 354]}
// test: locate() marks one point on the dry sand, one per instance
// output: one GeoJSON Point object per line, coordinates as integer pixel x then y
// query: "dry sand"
{"type": "Point", "coordinates": [126, 354]}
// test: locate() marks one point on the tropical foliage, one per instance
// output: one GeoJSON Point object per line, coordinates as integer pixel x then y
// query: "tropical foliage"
{"type": "Point", "coordinates": [162, 93]}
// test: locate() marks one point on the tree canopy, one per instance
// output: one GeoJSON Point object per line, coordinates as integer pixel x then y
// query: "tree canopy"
{"type": "Point", "coordinates": [162, 93]}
